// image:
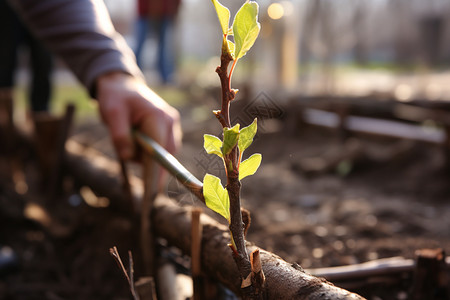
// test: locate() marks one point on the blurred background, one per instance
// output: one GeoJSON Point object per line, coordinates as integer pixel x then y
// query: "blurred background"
{"type": "Point", "coordinates": [352, 99]}
{"type": "Point", "coordinates": [321, 46]}
{"type": "Point", "coordinates": [342, 47]}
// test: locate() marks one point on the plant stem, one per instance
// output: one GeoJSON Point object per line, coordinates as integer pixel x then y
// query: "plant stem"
{"type": "Point", "coordinates": [223, 115]}
{"type": "Point", "coordinates": [233, 186]}
{"type": "Point", "coordinates": [237, 225]}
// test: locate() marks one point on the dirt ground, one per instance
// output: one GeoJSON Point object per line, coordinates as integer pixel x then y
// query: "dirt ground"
{"type": "Point", "coordinates": [389, 199]}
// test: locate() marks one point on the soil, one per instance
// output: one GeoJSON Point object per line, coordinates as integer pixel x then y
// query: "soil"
{"type": "Point", "coordinates": [367, 206]}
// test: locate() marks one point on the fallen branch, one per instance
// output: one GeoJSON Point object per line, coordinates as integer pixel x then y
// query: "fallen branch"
{"type": "Point", "coordinates": [379, 267]}
{"type": "Point", "coordinates": [358, 275]}
{"type": "Point", "coordinates": [374, 126]}
{"type": "Point", "coordinates": [172, 222]}
{"type": "Point", "coordinates": [283, 280]}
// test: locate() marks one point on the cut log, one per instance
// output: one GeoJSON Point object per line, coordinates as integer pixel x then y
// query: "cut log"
{"type": "Point", "coordinates": [173, 223]}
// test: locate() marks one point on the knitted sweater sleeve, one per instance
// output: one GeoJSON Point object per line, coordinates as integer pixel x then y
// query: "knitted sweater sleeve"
{"type": "Point", "coordinates": [81, 33]}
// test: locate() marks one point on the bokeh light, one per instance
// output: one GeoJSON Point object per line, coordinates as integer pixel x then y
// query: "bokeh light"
{"type": "Point", "coordinates": [275, 11]}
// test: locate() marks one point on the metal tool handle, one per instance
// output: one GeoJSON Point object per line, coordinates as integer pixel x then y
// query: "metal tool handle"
{"type": "Point", "coordinates": [171, 164]}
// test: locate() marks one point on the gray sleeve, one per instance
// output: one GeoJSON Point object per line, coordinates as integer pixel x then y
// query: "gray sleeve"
{"type": "Point", "coordinates": [81, 33]}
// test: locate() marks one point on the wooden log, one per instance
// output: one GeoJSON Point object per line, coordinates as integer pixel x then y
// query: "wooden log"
{"type": "Point", "coordinates": [90, 167]}
{"type": "Point", "coordinates": [283, 280]}
{"type": "Point", "coordinates": [172, 222]}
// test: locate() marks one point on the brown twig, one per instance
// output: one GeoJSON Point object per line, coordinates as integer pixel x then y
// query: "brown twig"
{"type": "Point", "coordinates": [129, 277]}
{"type": "Point", "coordinates": [131, 270]}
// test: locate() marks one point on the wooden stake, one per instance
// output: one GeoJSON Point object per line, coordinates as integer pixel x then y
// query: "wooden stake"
{"type": "Point", "coordinates": [51, 134]}
{"type": "Point", "coordinates": [6, 121]}
{"type": "Point", "coordinates": [196, 250]}
{"type": "Point", "coordinates": [145, 288]}
{"type": "Point", "coordinates": [56, 168]}
{"type": "Point", "coordinates": [167, 281]}
{"type": "Point", "coordinates": [7, 135]}
{"type": "Point", "coordinates": [126, 185]}
{"type": "Point", "coordinates": [431, 280]}
{"type": "Point", "coordinates": [147, 238]}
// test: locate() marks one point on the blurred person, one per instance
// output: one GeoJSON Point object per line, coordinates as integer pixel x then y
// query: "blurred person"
{"type": "Point", "coordinates": [159, 16]}
{"type": "Point", "coordinates": [13, 35]}
{"type": "Point", "coordinates": [81, 33]}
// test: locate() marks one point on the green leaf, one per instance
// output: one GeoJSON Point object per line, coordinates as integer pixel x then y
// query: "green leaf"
{"type": "Point", "coordinates": [230, 138]}
{"type": "Point", "coordinates": [245, 28]}
{"type": "Point", "coordinates": [249, 166]}
{"type": "Point", "coordinates": [212, 145]}
{"type": "Point", "coordinates": [246, 136]}
{"type": "Point", "coordinates": [216, 197]}
{"type": "Point", "coordinates": [223, 14]}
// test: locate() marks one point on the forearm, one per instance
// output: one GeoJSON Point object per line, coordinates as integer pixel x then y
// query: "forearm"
{"type": "Point", "coordinates": [80, 32]}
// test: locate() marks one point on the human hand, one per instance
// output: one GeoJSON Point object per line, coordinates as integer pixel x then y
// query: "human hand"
{"type": "Point", "coordinates": [126, 102]}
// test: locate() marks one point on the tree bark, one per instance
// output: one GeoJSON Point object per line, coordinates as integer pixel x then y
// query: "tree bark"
{"type": "Point", "coordinates": [283, 280]}
{"type": "Point", "coordinates": [172, 222]}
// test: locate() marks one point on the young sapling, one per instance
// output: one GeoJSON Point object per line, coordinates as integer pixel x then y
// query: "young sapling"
{"type": "Point", "coordinates": [226, 201]}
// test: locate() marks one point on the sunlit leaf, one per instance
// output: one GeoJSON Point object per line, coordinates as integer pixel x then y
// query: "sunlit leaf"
{"type": "Point", "coordinates": [245, 28]}
{"type": "Point", "coordinates": [249, 166]}
{"type": "Point", "coordinates": [230, 138]}
{"type": "Point", "coordinates": [216, 197]}
{"type": "Point", "coordinates": [246, 136]}
{"type": "Point", "coordinates": [212, 145]}
{"type": "Point", "coordinates": [223, 14]}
